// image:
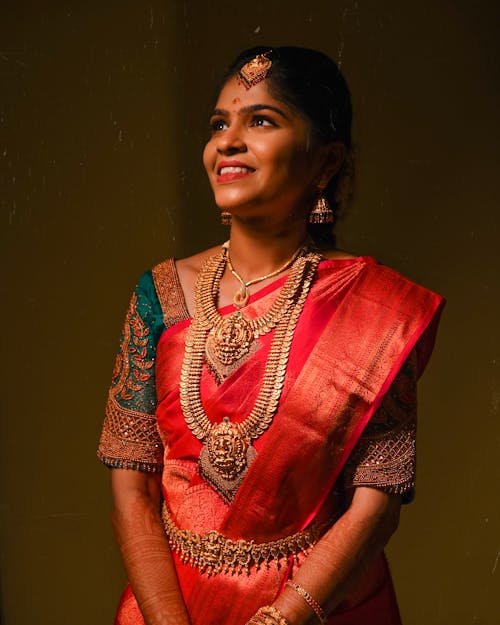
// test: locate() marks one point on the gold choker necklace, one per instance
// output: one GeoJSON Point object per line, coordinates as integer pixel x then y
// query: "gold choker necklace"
{"type": "Point", "coordinates": [228, 451]}
{"type": "Point", "coordinates": [242, 296]}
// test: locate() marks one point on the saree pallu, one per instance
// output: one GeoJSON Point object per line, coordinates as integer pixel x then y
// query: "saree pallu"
{"type": "Point", "coordinates": [348, 346]}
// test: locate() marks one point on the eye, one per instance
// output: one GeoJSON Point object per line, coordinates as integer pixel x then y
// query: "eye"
{"type": "Point", "coordinates": [217, 124]}
{"type": "Point", "coordinates": [263, 121]}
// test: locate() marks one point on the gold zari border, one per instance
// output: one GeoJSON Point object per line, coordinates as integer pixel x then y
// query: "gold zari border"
{"type": "Point", "coordinates": [213, 553]}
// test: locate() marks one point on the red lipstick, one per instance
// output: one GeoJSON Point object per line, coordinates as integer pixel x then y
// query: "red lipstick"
{"type": "Point", "coordinates": [228, 171]}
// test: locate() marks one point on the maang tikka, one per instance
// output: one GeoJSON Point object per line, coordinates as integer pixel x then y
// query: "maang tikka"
{"type": "Point", "coordinates": [255, 70]}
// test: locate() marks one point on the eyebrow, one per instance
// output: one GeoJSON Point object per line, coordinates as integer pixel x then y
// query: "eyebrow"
{"type": "Point", "coordinates": [252, 108]}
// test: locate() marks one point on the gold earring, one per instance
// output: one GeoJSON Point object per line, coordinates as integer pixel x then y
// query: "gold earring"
{"type": "Point", "coordinates": [321, 213]}
{"type": "Point", "coordinates": [225, 218]}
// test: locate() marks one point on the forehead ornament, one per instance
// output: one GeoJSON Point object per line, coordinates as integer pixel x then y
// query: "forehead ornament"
{"type": "Point", "coordinates": [255, 70]}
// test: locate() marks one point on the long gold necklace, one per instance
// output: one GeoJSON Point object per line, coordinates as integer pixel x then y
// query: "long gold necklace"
{"type": "Point", "coordinates": [242, 295]}
{"type": "Point", "coordinates": [228, 451]}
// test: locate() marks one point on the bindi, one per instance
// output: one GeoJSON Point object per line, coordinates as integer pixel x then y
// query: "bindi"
{"type": "Point", "coordinates": [236, 101]}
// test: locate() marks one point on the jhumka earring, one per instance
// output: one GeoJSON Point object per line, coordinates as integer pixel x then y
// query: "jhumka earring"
{"type": "Point", "coordinates": [321, 213]}
{"type": "Point", "coordinates": [225, 218]}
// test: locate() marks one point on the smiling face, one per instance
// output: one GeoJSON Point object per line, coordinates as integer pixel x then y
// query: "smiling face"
{"type": "Point", "coordinates": [259, 159]}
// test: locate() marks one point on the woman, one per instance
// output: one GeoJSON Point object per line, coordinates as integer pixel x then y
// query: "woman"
{"type": "Point", "coordinates": [261, 420]}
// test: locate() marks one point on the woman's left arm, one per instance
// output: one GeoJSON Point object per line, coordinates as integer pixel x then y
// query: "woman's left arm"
{"type": "Point", "coordinates": [342, 554]}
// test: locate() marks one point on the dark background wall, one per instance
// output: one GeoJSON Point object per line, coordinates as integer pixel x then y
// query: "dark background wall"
{"type": "Point", "coordinates": [102, 121]}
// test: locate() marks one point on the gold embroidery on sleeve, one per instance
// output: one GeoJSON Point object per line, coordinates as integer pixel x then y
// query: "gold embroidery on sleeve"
{"type": "Point", "coordinates": [385, 454]}
{"type": "Point", "coordinates": [169, 291]}
{"type": "Point", "coordinates": [130, 439]}
{"type": "Point", "coordinates": [132, 367]}
{"type": "Point", "coordinates": [387, 461]}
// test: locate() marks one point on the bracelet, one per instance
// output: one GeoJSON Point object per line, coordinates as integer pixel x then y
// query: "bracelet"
{"type": "Point", "coordinates": [268, 615]}
{"type": "Point", "coordinates": [318, 610]}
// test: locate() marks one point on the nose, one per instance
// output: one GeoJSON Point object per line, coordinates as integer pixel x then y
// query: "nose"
{"type": "Point", "coordinates": [231, 141]}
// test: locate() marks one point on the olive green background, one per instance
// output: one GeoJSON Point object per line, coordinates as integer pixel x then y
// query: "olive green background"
{"type": "Point", "coordinates": [103, 117]}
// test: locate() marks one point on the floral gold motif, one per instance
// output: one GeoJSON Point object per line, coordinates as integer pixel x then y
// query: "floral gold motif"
{"type": "Point", "coordinates": [132, 367]}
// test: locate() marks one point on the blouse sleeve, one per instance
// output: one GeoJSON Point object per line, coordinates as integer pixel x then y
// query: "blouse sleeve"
{"type": "Point", "coordinates": [384, 456]}
{"type": "Point", "coordinates": [129, 438]}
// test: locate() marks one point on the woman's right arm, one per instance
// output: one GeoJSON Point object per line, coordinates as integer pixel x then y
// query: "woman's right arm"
{"type": "Point", "coordinates": [146, 554]}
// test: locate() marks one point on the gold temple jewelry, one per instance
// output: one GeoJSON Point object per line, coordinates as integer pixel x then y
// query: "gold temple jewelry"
{"type": "Point", "coordinates": [212, 553]}
{"type": "Point", "coordinates": [207, 316]}
{"type": "Point", "coordinates": [243, 294]}
{"type": "Point", "coordinates": [268, 615]}
{"type": "Point", "coordinates": [255, 70]}
{"type": "Point", "coordinates": [318, 610]}
{"type": "Point", "coordinates": [231, 338]}
{"type": "Point", "coordinates": [228, 451]}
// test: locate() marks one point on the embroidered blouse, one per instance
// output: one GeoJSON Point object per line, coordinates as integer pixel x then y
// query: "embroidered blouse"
{"type": "Point", "coordinates": [383, 458]}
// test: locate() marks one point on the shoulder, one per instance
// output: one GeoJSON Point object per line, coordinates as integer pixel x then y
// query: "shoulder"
{"type": "Point", "coordinates": [379, 284]}
{"type": "Point", "coordinates": [175, 280]}
{"type": "Point", "coordinates": [145, 290]}
{"type": "Point", "coordinates": [381, 277]}
{"type": "Point", "coordinates": [333, 254]}
{"type": "Point", "coordinates": [189, 267]}
{"type": "Point", "coordinates": [381, 290]}
{"type": "Point", "coordinates": [172, 269]}
{"type": "Point", "coordinates": [384, 279]}
{"type": "Point", "coordinates": [193, 264]}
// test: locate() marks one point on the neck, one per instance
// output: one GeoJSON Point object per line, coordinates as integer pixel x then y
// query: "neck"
{"type": "Point", "coordinates": [256, 252]}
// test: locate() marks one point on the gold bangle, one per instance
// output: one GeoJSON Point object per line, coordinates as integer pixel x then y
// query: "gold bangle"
{"type": "Point", "coordinates": [318, 610]}
{"type": "Point", "coordinates": [268, 615]}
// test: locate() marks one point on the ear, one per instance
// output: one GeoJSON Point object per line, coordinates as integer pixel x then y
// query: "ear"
{"type": "Point", "coordinates": [335, 154]}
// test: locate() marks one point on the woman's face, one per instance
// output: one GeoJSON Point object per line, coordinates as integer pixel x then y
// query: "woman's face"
{"type": "Point", "coordinates": [259, 158]}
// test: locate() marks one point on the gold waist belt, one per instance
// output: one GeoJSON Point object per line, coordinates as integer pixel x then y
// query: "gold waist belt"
{"type": "Point", "coordinates": [213, 553]}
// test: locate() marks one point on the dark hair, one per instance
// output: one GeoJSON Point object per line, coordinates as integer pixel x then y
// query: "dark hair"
{"type": "Point", "coordinates": [312, 84]}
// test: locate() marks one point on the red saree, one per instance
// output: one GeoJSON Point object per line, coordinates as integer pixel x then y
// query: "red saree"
{"type": "Point", "coordinates": [348, 346]}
